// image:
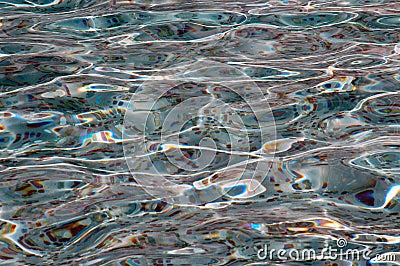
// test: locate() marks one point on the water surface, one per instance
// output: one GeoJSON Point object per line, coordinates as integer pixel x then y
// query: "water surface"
{"type": "Point", "coordinates": [170, 132]}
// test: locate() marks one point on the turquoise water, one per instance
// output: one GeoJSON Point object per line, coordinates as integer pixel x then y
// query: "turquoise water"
{"type": "Point", "coordinates": [198, 133]}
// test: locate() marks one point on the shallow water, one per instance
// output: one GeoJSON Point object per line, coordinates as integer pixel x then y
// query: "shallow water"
{"type": "Point", "coordinates": [195, 133]}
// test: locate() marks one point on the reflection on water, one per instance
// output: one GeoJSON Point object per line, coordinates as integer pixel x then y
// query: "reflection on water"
{"type": "Point", "coordinates": [168, 132]}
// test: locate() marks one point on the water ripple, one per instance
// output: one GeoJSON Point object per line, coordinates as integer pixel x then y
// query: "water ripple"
{"type": "Point", "coordinates": [164, 132]}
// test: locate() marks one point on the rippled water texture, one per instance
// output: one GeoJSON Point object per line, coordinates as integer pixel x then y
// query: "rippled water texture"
{"type": "Point", "coordinates": [167, 132]}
